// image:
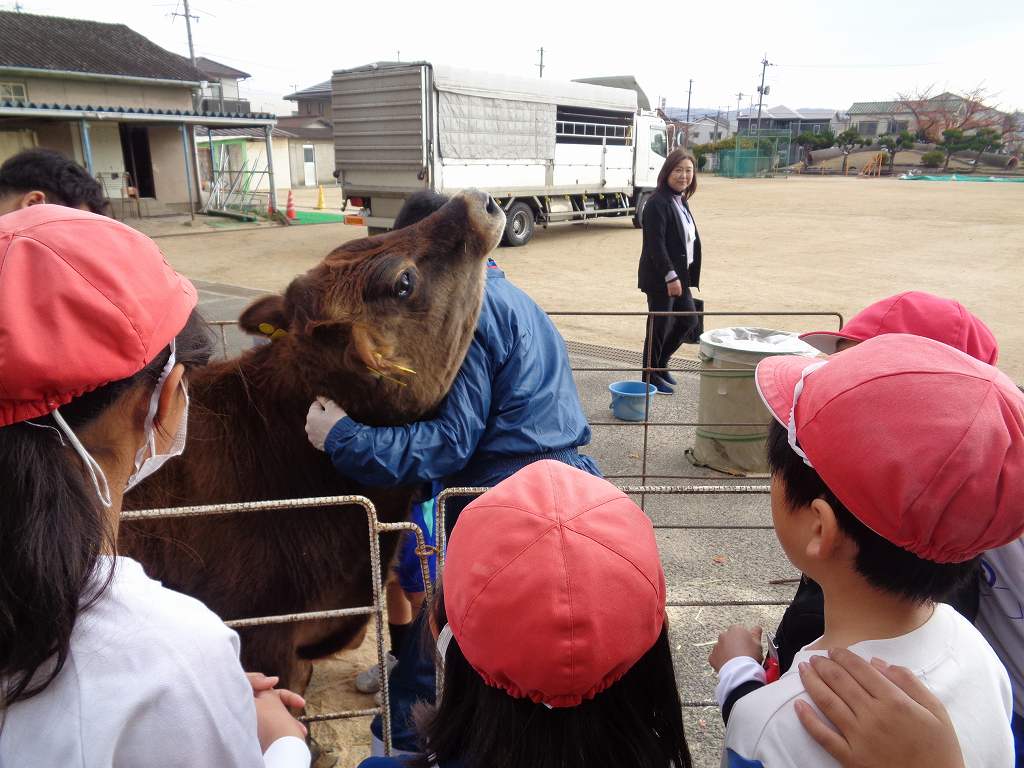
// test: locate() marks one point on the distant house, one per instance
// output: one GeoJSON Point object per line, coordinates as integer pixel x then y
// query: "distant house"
{"type": "Point", "coordinates": [109, 98]}
{"type": "Point", "coordinates": [782, 118]}
{"type": "Point", "coordinates": [878, 118]}
{"type": "Point", "coordinates": [928, 116]}
{"type": "Point", "coordinates": [314, 101]}
{"type": "Point", "coordinates": [312, 150]}
{"type": "Point", "coordinates": [708, 128]}
{"type": "Point", "coordinates": [220, 87]}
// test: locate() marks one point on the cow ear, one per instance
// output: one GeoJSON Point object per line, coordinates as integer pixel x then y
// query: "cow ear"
{"type": "Point", "coordinates": [265, 317]}
{"type": "Point", "coordinates": [363, 347]}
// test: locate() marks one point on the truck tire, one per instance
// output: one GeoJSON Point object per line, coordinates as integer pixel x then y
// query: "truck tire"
{"type": "Point", "coordinates": [638, 217]}
{"type": "Point", "coordinates": [518, 225]}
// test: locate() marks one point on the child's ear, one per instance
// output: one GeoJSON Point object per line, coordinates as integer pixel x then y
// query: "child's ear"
{"type": "Point", "coordinates": [826, 538]}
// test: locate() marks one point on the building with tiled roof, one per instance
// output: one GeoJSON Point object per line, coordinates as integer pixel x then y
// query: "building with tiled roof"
{"type": "Point", "coordinates": [114, 101]}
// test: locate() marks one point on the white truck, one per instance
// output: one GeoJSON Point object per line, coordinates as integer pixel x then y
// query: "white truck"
{"type": "Point", "coordinates": [549, 152]}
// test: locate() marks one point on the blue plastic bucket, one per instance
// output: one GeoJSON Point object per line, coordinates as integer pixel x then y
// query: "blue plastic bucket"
{"type": "Point", "coordinates": [628, 399]}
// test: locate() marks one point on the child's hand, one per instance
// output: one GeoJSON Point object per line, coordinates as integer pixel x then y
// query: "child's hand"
{"type": "Point", "coordinates": [273, 721]}
{"type": "Point", "coordinates": [261, 683]}
{"type": "Point", "coordinates": [884, 715]}
{"type": "Point", "coordinates": [737, 640]}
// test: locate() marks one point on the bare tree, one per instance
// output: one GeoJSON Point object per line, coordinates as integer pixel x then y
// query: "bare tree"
{"type": "Point", "coordinates": [965, 111]}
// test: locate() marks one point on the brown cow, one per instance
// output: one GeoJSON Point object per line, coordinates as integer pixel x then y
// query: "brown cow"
{"type": "Point", "coordinates": [381, 327]}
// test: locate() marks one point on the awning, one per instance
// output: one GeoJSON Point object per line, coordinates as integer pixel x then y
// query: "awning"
{"type": "Point", "coordinates": [133, 114]}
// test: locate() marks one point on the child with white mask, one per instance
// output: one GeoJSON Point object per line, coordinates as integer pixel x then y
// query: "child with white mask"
{"type": "Point", "coordinates": [99, 665]}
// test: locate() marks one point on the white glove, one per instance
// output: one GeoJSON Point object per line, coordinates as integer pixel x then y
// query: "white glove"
{"type": "Point", "coordinates": [323, 415]}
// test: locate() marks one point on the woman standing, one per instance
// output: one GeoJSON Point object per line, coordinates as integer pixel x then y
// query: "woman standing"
{"type": "Point", "coordinates": [669, 264]}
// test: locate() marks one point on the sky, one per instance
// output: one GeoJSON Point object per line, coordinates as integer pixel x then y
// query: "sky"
{"type": "Point", "coordinates": [826, 58]}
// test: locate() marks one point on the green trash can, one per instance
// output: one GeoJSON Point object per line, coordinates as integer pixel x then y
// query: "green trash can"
{"type": "Point", "coordinates": [728, 395]}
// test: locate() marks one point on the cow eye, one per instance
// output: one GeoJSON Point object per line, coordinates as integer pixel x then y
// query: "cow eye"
{"type": "Point", "coordinates": [405, 284]}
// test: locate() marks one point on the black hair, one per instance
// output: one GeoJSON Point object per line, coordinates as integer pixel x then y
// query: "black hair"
{"type": "Point", "coordinates": [637, 722]}
{"type": "Point", "coordinates": [64, 181]}
{"type": "Point", "coordinates": [418, 206]}
{"type": "Point", "coordinates": [883, 565]}
{"type": "Point", "coordinates": [52, 528]}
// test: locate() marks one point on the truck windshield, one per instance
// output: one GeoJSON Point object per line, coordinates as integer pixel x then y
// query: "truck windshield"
{"type": "Point", "coordinates": [659, 144]}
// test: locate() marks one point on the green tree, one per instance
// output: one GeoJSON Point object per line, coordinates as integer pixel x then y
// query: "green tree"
{"type": "Point", "coordinates": [894, 144]}
{"type": "Point", "coordinates": [846, 141]}
{"type": "Point", "coordinates": [932, 159]}
{"type": "Point", "coordinates": [953, 140]}
{"type": "Point", "coordinates": [985, 139]}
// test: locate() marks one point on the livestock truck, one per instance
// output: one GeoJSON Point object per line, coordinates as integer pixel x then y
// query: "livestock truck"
{"type": "Point", "coordinates": [549, 152]}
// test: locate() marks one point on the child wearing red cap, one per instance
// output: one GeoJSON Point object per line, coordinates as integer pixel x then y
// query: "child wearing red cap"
{"type": "Point", "coordinates": [552, 636]}
{"type": "Point", "coordinates": [99, 665]}
{"type": "Point", "coordinates": [894, 465]}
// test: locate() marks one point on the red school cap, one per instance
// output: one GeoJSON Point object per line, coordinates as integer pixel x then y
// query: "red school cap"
{"type": "Point", "coordinates": [921, 442]}
{"type": "Point", "coordinates": [84, 301]}
{"type": "Point", "coordinates": [918, 313]}
{"type": "Point", "coordinates": [553, 586]}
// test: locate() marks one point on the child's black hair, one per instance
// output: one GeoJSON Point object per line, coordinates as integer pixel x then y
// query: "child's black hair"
{"type": "Point", "coordinates": [884, 565]}
{"type": "Point", "coordinates": [64, 181]}
{"type": "Point", "coordinates": [636, 722]}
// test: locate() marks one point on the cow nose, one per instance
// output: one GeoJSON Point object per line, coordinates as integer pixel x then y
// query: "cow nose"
{"type": "Point", "coordinates": [491, 207]}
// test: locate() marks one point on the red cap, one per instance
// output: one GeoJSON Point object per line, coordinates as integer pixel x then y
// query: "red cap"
{"type": "Point", "coordinates": [553, 586]}
{"type": "Point", "coordinates": [921, 442]}
{"type": "Point", "coordinates": [921, 314]}
{"type": "Point", "coordinates": [84, 300]}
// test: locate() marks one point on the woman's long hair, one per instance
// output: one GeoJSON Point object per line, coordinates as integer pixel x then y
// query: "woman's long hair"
{"type": "Point", "coordinates": [637, 722]}
{"type": "Point", "coordinates": [52, 528]}
{"type": "Point", "coordinates": [675, 157]}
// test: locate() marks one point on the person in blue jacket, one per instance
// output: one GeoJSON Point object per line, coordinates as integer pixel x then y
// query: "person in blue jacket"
{"type": "Point", "coordinates": [513, 402]}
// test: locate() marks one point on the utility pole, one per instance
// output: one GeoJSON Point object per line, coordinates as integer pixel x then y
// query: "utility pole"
{"type": "Point", "coordinates": [188, 28]}
{"type": "Point", "coordinates": [688, 94]}
{"type": "Point", "coordinates": [760, 96]}
{"type": "Point", "coordinates": [541, 65]}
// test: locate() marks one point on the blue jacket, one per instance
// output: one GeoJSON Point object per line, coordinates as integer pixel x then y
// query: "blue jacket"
{"type": "Point", "coordinates": [514, 396]}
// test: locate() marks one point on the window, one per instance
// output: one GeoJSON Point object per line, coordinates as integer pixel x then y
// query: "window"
{"type": "Point", "coordinates": [869, 128]}
{"type": "Point", "coordinates": [902, 125]}
{"type": "Point", "coordinates": [659, 145]}
{"type": "Point", "coordinates": [817, 127]}
{"type": "Point", "coordinates": [13, 92]}
{"type": "Point", "coordinates": [320, 107]}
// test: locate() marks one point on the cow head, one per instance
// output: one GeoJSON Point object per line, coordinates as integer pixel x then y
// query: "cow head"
{"type": "Point", "coordinates": [382, 324]}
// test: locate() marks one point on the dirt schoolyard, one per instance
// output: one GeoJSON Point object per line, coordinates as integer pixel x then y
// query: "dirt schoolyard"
{"type": "Point", "coordinates": [800, 244]}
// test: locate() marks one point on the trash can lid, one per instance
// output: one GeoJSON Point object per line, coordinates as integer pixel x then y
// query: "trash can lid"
{"type": "Point", "coordinates": [759, 342]}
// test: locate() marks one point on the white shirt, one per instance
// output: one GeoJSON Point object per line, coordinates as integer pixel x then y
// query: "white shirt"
{"type": "Point", "coordinates": [947, 654]}
{"type": "Point", "coordinates": [689, 228]}
{"type": "Point", "coordinates": [1001, 611]}
{"type": "Point", "coordinates": [152, 679]}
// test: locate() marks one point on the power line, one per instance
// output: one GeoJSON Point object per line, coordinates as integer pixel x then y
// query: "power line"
{"type": "Point", "coordinates": [858, 66]}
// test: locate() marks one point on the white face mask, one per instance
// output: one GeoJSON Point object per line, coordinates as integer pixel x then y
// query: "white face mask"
{"type": "Point", "coordinates": [144, 467]}
{"type": "Point", "coordinates": [147, 465]}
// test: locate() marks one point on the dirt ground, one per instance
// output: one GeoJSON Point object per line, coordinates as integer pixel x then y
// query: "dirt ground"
{"type": "Point", "coordinates": [798, 244]}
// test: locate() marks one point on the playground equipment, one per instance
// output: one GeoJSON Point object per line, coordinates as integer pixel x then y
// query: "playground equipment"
{"type": "Point", "coordinates": [873, 167]}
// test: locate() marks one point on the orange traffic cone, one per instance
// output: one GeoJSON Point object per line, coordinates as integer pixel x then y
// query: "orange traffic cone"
{"type": "Point", "coordinates": [290, 210]}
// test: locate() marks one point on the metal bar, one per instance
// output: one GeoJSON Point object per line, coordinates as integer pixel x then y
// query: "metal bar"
{"type": "Point", "coordinates": [678, 424]}
{"type": "Point", "coordinates": [268, 140]}
{"type": "Point", "coordinates": [340, 715]}
{"type": "Point", "coordinates": [291, 618]}
{"type": "Point", "coordinates": [188, 171]}
{"type": "Point", "coordinates": [83, 127]}
{"type": "Point", "coordinates": [722, 603]}
{"type": "Point", "coordinates": [133, 117]}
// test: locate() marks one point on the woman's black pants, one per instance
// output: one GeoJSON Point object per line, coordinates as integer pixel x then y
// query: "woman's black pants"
{"type": "Point", "coordinates": [665, 334]}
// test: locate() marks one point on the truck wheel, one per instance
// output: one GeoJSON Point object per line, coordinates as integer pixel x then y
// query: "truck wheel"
{"type": "Point", "coordinates": [371, 231]}
{"type": "Point", "coordinates": [518, 225]}
{"type": "Point", "coordinates": [638, 217]}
